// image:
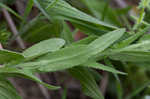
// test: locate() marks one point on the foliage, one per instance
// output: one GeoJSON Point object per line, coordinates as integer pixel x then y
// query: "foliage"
{"type": "Point", "coordinates": [119, 48]}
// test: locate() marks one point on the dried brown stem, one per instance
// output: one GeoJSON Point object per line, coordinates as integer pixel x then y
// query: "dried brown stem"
{"type": "Point", "coordinates": [43, 89]}
{"type": "Point", "coordinates": [104, 83]}
{"type": "Point", "coordinates": [13, 27]}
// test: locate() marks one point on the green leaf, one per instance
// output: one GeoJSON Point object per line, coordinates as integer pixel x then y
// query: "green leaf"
{"type": "Point", "coordinates": [9, 56]}
{"type": "Point", "coordinates": [59, 60]}
{"type": "Point", "coordinates": [13, 72]}
{"type": "Point", "coordinates": [145, 38]}
{"type": "Point", "coordinates": [105, 41]}
{"type": "Point", "coordinates": [131, 39]}
{"type": "Point", "coordinates": [102, 11]}
{"type": "Point", "coordinates": [118, 81]}
{"type": "Point", "coordinates": [62, 10]}
{"type": "Point", "coordinates": [73, 55]}
{"type": "Point", "coordinates": [93, 64]}
{"type": "Point", "coordinates": [4, 34]}
{"type": "Point", "coordinates": [49, 6]}
{"type": "Point", "coordinates": [133, 53]}
{"type": "Point", "coordinates": [38, 29]}
{"type": "Point", "coordinates": [89, 86]}
{"type": "Point", "coordinates": [7, 91]}
{"type": "Point", "coordinates": [85, 41]}
{"type": "Point", "coordinates": [28, 9]}
{"type": "Point", "coordinates": [64, 95]}
{"type": "Point", "coordinates": [131, 56]}
{"type": "Point", "coordinates": [143, 46]}
{"type": "Point", "coordinates": [44, 47]}
{"type": "Point", "coordinates": [42, 10]}
{"type": "Point", "coordinates": [67, 34]}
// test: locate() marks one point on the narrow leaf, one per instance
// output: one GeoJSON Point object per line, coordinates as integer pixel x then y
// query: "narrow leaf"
{"type": "Point", "coordinates": [105, 41]}
{"type": "Point", "coordinates": [9, 56]}
{"type": "Point", "coordinates": [89, 86]}
{"type": "Point", "coordinates": [93, 64]}
{"type": "Point", "coordinates": [44, 47]}
{"type": "Point", "coordinates": [13, 72]}
{"type": "Point", "coordinates": [63, 10]}
{"type": "Point", "coordinates": [59, 60]}
{"type": "Point", "coordinates": [131, 39]}
{"type": "Point", "coordinates": [67, 34]}
{"type": "Point", "coordinates": [86, 40]}
{"type": "Point", "coordinates": [7, 91]}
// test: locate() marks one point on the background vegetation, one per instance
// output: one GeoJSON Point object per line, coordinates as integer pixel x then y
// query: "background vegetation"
{"type": "Point", "coordinates": [74, 49]}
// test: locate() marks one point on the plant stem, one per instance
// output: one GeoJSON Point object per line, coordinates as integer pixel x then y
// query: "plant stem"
{"type": "Point", "coordinates": [104, 82]}
{"type": "Point", "coordinates": [22, 45]}
{"type": "Point", "coordinates": [43, 89]}
{"type": "Point", "coordinates": [142, 7]}
{"type": "Point", "coordinates": [13, 27]}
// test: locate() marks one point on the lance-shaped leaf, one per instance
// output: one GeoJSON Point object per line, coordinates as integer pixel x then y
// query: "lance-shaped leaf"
{"type": "Point", "coordinates": [132, 56]}
{"type": "Point", "coordinates": [133, 53]}
{"type": "Point", "coordinates": [93, 64]}
{"type": "Point", "coordinates": [7, 91]}
{"type": "Point", "coordinates": [89, 86]}
{"type": "Point", "coordinates": [10, 56]}
{"type": "Point", "coordinates": [60, 60]}
{"type": "Point", "coordinates": [105, 41]}
{"type": "Point", "coordinates": [13, 72]}
{"type": "Point", "coordinates": [44, 47]}
{"type": "Point", "coordinates": [62, 10]}
{"type": "Point", "coordinates": [132, 38]}
{"type": "Point", "coordinates": [67, 34]}
{"type": "Point", "coordinates": [73, 55]}
{"type": "Point", "coordinates": [86, 40]}
{"type": "Point", "coordinates": [143, 46]}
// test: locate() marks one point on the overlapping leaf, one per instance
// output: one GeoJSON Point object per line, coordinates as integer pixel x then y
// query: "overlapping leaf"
{"type": "Point", "coordinates": [87, 81]}
{"type": "Point", "coordinates": [38, 30]}
{"type": "Point", "coordinates": [132, 38]}
{"type": "Point", "coordinates": [93, 64]}
{"type": "Point", "coordinates": [62, 10]}
{"type": "Point", "coordinates": [102, 10]}
{"type": "Point", "coordinates": [44, 47]}
{"type": "Point", "coordinates": [86, 40]}
{"type": "Point", "coordinates": [105, 41]}
{"type": "Point", "coordinates": [66, 34]}
{"type": "Point", "coordinates": [73, 55]}
{"type": "Point", "coordinates": [14, 72]}
{"type": "Point", "coordinates": [9, 56]}
{"type": "Point", "coordinates": [133, 53]}
{"type": "Point", "coordinates": [7, 91]}
{"type": "Point", "coordinates": [61, 59]}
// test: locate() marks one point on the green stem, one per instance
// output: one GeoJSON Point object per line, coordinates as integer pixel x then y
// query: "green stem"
{"type": "Point", "coordinates": [142, 6]}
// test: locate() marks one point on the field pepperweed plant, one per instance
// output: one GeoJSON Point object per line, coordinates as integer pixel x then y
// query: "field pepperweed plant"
{"type": "Point", "coordinates": [75, 49]}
